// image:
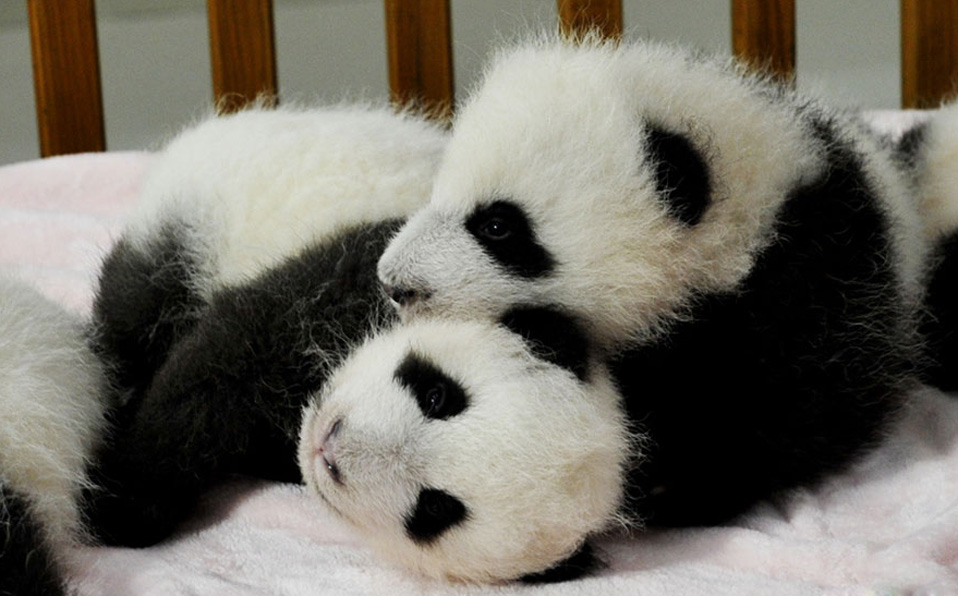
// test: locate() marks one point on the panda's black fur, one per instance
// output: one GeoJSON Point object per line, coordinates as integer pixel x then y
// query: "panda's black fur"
{"type": "Point", "coordinates": [771, 374]}
{"type": "Point", "coordinates": [229, 377]}
{"type": "Point", "coordinates": [28, 564]}
{"type": "Point", "coordinates": [940, 325]}
{"type": "Point", "coordinates": [781, 400]}
{"type": "Point", "coordinates": [750, 373]}
{"type": "Point", "coordinates": [239, 280]}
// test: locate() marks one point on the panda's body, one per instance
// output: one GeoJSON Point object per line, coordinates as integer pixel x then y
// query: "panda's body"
{"type": "Point", "coordinates": [245, 274]}
{"type": "Point", "coordinates": [750, 262]}
{"type": "Point", "coordinates": [53, 399]}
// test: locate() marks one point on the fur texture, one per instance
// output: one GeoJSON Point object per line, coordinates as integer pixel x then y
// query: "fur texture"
{"type": "Point", "coordinates": [932, 152]}
{"type": "Point", "coordinates": [53, 397]}
{"type": "Point", "coordinates": [586, 169]}
{"type": "Point", "coordinates": [246, 273]}
{"type": "Point", "coordinates": [529, 458]}
{"type": "Point", "coordinates": [750, 261]}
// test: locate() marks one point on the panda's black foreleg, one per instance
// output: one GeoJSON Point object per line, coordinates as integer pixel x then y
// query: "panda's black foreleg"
{"type": "Point", "coordinates": [27, 564]}
{"type": "Point", "coordinates": [226, 400]}
{"type": "Point", "coordinates": [144, 302]}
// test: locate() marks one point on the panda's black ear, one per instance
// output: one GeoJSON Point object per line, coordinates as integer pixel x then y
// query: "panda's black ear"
{"type": "Point", "coordinates": [681, 174]}
{"type": "Point", "coordinates": [552, 336]}
{"type": "Point", "coordinates": [578, 564]}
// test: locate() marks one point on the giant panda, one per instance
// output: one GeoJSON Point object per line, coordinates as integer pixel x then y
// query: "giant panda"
{"type": "Point", "coordinates": [474, 450]}
{"type": "Point", "coordinates": [930, 151]}
{"type": "Point", "coordinates": [54, 396]}
{"type": "Point", "coordinates": [749, 261]}
{"type": "Point", "coordinates": [245, 272]}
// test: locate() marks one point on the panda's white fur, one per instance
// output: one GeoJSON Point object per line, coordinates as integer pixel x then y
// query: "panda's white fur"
{"type": "Point", "coordinates": [52, 415]}
{"type": "Point", "coordinates": [252, 187]}
{"type": "Point", "coordinates": [538, 456]}
{"type": "Point", "coordinates": [255, 234]}
{"type": "Point", "coordinates": [558, 128]}
{"type": "Point", "coordinates": [936, 172]}
{"type": "Point", "coordinates": [931, 149]}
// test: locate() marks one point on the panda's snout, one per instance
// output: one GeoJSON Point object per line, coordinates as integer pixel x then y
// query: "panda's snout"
{"type": "Point", "coordinates": [327, 451]}
{"type": "Point", "coordinates": [404, 295]}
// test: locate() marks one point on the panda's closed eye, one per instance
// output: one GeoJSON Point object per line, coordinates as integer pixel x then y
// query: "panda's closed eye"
{"type": "Point", "coordinates": [438, 396]}
{"type": "Point", "coordinates": [504, 231]}
{"type": "Point", "coordinates": [436, 511]}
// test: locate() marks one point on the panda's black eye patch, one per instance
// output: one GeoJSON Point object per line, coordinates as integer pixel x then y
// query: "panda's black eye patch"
{"type": "Point", "coordinates": [438, 396]}
{"type": "Point", "coordinates": [436, 511]}
{"type": "Point", "coordinates": [681, 174]}
{"type": "Point", "coordinates": [504, 232]}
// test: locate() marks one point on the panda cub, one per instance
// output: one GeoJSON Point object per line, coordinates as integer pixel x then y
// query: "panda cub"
{"type": "Point", "coordinates": [245, 274]}
{"type": "Point", "coordinates": [749, 261]}
{"type": "Point", "coordinates": [473, 451]}
{"type": "Point", "coordinates": [53, 399]}
{"type": "Point", "coordinates": [931, 150]}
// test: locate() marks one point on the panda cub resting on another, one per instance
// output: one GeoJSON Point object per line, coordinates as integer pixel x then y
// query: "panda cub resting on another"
{"type": "Point", "coordinates": [53, 399]}
{"type": "Point", "coordinates": [221, 325]}
{"type": "Point", "coordinates": [749, 262]}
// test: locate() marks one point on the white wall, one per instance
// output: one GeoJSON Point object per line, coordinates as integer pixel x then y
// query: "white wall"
{"type": "Point", "coordinates": [155, 56]}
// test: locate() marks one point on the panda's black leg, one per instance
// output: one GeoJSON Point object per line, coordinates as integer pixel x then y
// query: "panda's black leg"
{"type": "Point", "coordinates": [27, 563]}
{"type": "Point", "coordinates": [226, 400]}
{"type": "Point", "coordinates": [144, 301]}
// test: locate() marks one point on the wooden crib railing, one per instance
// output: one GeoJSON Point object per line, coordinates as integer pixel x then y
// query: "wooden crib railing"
{"type": "Point", "coordinates": [242, 50]}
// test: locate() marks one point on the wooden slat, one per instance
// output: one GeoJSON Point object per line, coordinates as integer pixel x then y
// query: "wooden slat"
{"type": "Point", "coordinates": [577, 17]}
{"type": "Point", "coordinates": [66, 75]}
{"type": "Point", "coordinates": [763, 35]}
{"type": "Point", "coordinates": [419, 45]}
{"type": "Point", "coordinates": [929, 51]}
{"type": "Point", "coordinates": [242, 52]}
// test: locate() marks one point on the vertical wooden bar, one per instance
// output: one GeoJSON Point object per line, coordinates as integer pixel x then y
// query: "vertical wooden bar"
{"type": "Point", "coordinates": [242, 52]}
{"type": "Point", "coordinates": [929, 51]}
{"type": "Point", "coordinates": [577, 17]}
{"type": "Point", "coordinates": [763, 35]}
{"type": "Point", "coordinates": [419, 45]}
{"type": "Point", "coordinates": [66, 75]}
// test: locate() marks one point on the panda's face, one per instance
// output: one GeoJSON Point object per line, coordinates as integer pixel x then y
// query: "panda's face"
{"type": "Point", "coordinates": [457, 452]}
{"type": "Point", "coordinates": [616, 182]}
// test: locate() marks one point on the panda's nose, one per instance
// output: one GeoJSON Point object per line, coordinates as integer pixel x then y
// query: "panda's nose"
{"type": "Point", "coordinates": [402, 295]}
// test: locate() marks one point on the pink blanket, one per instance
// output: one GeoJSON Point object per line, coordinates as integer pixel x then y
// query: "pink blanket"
{"type": "Point", "coordinates": [889, 526]}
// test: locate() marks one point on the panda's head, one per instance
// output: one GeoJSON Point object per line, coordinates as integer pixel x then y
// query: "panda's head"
{"type": "Point", "coordinates": [614, 180]}
{"type": "Point", "coordinates": [467, 452]}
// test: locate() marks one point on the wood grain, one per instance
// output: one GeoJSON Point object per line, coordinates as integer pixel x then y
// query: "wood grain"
{"type": "Point", "coordinates": [577, 17]}
{"type": "Point", "coordinates": [242, 52]}
{"type": "Point", "coordinates": [419, 46]}
{"type": "Point", "coordinates": [929, 52]}
{"type": "Point", "coordinates": [763, 35]}
{"type": "Point", "coordinates": [66, 76]}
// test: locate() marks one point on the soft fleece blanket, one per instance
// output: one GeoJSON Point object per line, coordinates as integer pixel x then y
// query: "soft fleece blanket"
{"type": "Point", "coordinates": [888, 526]}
